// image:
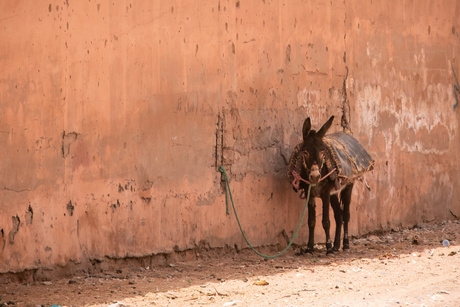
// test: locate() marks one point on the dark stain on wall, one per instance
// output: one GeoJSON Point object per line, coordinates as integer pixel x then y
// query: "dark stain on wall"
{"type": "Point", "coordinates": [3, 238]}
{"type": "Point", "coordinates": [115, 206]}
{"type": "Point", "coordinates": [288, 54]}
{"type": "Point", "coordinates": [14, 231]}
{"type": "Point", "coordinates": [70, 207]}
{"type": "Point", "coordinates": [29, 215]}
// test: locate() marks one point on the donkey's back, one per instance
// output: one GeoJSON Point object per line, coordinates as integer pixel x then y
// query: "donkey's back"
{"type": "Point", "coordinates": [347, 155]}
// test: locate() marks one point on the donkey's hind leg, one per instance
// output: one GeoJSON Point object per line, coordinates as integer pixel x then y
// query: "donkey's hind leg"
{"type": "Point", "coordinates": [338, 217]}
{"type": "Point", "coordinates": [345, 198]}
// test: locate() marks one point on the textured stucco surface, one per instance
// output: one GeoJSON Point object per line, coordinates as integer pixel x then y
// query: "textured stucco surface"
{"type": "Point", "coordinates": [116, 114]}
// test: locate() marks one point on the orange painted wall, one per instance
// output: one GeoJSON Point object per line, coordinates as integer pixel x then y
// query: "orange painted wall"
{"type": "Point", "coordinates": [111, 117]}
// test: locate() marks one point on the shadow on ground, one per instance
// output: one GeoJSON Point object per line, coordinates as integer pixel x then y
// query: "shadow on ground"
{"type": "Point", "coordinates": [204, 271]}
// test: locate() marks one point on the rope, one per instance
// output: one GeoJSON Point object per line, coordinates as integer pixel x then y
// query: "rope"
{"type": "Point", "coordinates": [297, 178]}
{"type": "Point", "coordinates": [228, 192]}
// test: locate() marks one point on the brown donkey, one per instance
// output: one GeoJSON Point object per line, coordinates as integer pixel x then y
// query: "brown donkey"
{"type": "Point", "coordinates": [330, 164]}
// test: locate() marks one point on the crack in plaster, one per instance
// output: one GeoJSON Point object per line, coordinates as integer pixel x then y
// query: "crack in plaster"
{"type": "Point", "coordinates": [346, 112]}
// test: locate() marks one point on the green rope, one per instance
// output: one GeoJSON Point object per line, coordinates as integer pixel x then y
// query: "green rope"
{"type": "Point", "coordinates": [228, 193]}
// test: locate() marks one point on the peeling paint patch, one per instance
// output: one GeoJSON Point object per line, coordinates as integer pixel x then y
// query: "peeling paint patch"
{"type": "Point", "coordinates": [67, 140]}
{"type": "Point", "coordinates": [434, 140]}
{"type": "Point", "coordinates": [207, 199]}
{"type": "Point", "coordinates": [388, 120]}
{"type": "Point", "coordinates": [369, 100]}
{"type": "Point", "coordinates": [147, 185]}
{"type": "Point", "coordinates": [311, 101]}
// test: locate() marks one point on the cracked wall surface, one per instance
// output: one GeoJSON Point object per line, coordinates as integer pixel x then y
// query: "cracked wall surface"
{"type": "Point", "coordinates": [116, 117]}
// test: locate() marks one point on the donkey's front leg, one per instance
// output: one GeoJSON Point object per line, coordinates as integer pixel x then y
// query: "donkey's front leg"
{"type": "Point", "coordinates": [311, 225]}
{"type": "Point", "coordinates": [326, 222]}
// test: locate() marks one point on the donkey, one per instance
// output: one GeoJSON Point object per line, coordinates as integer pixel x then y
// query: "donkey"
{"type": "Point", "coordinates": [330, 164]}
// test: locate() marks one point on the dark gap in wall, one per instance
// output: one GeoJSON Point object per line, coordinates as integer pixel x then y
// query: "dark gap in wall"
{"type": "Point", "coordinates": [14, 231]}
{"type": "Point", "coordinates": [29, 215]}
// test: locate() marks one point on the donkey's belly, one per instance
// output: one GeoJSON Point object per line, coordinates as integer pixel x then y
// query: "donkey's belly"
{"type": "Point", "coordinates": [336, 192]}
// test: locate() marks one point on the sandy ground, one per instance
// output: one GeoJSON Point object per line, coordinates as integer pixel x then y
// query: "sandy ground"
{"type": "Point", "coordinates": [410, 267]}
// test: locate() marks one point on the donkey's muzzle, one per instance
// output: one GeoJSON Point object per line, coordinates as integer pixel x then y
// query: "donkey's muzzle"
{"type": "Point", "coordinates": [314, 175]}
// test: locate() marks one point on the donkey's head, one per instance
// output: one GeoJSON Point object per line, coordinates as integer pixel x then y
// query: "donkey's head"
{"type": "Point", "coordinates": [312, 150]}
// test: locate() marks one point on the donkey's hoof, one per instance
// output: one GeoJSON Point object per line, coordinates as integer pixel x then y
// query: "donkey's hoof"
{"type": "Point", "coordinates": [304, 251]}
{"type": "Point", "coordinates": [330, 251]}
{"type": "Point", "coordinates": [346, 244]}
{"type": "Point", "coordinates": [300, 252]}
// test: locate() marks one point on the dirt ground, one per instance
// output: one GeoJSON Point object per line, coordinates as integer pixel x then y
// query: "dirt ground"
{"type": "Point", "coordinates": [407, 267]}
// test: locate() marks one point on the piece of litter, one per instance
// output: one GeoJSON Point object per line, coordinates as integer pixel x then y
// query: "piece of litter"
{"type": "Point", "coordinates": [261, 283]}
{"type": "Point", "coordinates": [437, 297]}
{"type": "Point", "coordinates": [171, 295]}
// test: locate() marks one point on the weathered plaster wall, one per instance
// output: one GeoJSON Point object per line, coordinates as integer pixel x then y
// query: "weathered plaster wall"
{"type": "Point", "coordinates": [115, 116]}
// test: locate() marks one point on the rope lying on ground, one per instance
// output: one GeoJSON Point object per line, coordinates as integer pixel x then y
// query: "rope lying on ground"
{"type": "Point", "coordinates": [228, 193]}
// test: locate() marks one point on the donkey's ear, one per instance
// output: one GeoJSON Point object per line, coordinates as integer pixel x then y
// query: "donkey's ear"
{"type": "Point", "coordinates": [306, 128]}
{"type": "Point", "coordinates": [322, 132]}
